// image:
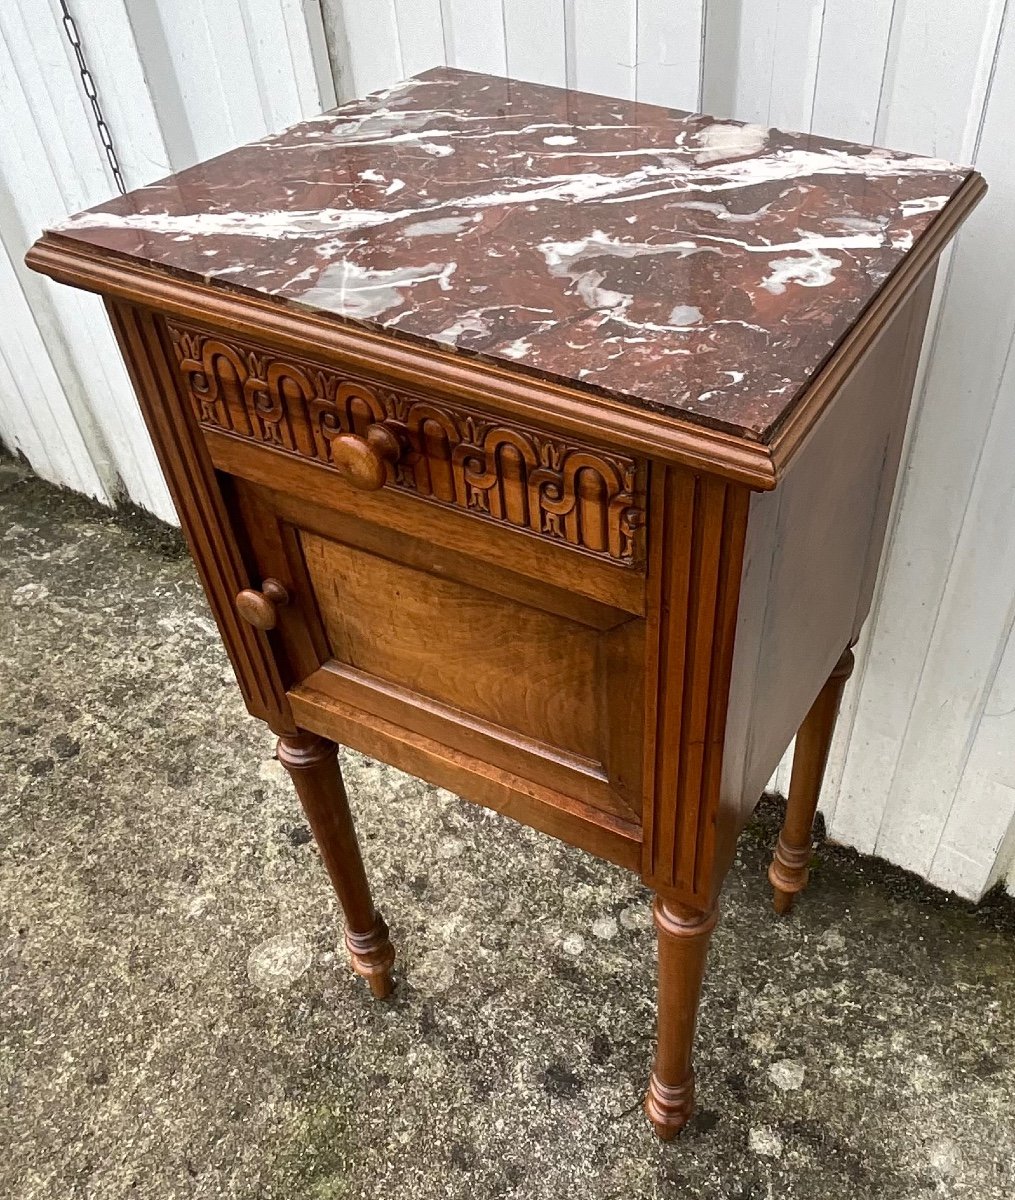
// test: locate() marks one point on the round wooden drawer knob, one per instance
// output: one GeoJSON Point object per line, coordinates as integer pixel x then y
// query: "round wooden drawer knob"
{"type": "Point", "coordinates": [260, 608]}
{"type": "Point", "coordinates": [363, 461]}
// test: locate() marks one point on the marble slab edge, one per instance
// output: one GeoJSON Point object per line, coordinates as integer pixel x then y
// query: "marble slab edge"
{"type": "Point", "coordinates": [523, 393]}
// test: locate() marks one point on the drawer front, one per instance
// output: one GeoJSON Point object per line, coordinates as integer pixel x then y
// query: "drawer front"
{"type": "Point", "coordinates": [498, 471]}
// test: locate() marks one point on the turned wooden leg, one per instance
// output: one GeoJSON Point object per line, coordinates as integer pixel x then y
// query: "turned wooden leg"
{"type": "Point", "coordinates": [313, 764]}
{"type": "Point", "coordinates": [683, 944]}
{"type": "Point", "coordinates": [788, 873]}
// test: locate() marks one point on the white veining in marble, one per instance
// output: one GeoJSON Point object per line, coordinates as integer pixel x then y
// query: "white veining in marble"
{"type": "Point", "coordinates": [367, 293]}
{"type": "Point", "coordinates": [812, 270]}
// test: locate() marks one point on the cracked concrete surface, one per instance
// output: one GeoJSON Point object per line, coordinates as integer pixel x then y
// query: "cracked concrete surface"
{"type": "Point", "coordinates": [177, 1019]}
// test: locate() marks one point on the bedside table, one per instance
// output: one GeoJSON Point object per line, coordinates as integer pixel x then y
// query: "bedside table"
{"type": "Point", "coordinates": [542, 445]}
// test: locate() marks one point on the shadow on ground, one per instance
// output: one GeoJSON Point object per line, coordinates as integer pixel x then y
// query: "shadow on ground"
{"type": "Point", "coordinates": [177, 1019]}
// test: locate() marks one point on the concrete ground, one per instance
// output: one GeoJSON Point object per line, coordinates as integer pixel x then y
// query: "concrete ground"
{"type": "Point", "coordinates": [177, 1019]}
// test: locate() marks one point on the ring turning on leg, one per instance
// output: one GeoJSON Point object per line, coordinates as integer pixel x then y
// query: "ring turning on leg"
{"type": "Point", "coordinates": [372, 956]}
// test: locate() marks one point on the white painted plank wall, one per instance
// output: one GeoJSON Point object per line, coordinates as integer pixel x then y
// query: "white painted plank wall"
{"type": "Point", "coordinates": [648, 50]}
{"type": "Point", "coordinates": [669, 52]}
{"type": "Point", "coordinates": [177, 83]}
{"type": "Point", "coordinates": [49, 163]}
{"type": "Point", "coordinates": [923, 769]}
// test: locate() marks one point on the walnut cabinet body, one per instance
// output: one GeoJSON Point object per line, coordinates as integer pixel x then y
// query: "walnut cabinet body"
{"type": "Point", "coordinates": [602, 620]}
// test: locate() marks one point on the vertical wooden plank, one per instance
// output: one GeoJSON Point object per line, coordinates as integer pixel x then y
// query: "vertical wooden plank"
{"type": "Point", "coordinates": [221, 74]}
{"type": "Point", "coordinates": [602, 46]}
{"type": "Point", "coordinates": [779, 783]}
{"type": "Point", "coordinates": [230, 55]}
{"type": "Point", "coordinates": [209, 52]}
{"type": "Point", "coordinates": [180, 60]}
{"type": "Point", "coordinates": [973, 619]}
{"type": "Point", "coordinates": [279, 38]}
{"type": "Point", "coordinates": [936, 78]}
{"type": "Point", "coordinates": [267, 35]}
{"type": "Point", "coordinates": [336, 41]}
{"type": "Point", "coordinates": [912, 76]}
{"type": "Point", "coordinates": [420, 34]}
{"type": "Point", "coordinates": [753, 65]}
{"type": "Point", "coordinates": [850, 68]}
{"type": "Point", "coordinates": [720, 57]}
{"type": "Point", "coordinates": [474, 35]}
{"type": "Point", "coordinates": [976, 845]}
{"type": "Point", "coordinates": [163, 84]}
{"type": "Point", "coordinates": [36, 418]}
{"type": "Point", "coordinates": [534, 40]}
{"type": "Point", "coordinates": [797, 43]}
{"type": "Point", "coordinates": [111, 49]}
{"type": "Point", "coordinates": [776, 56]}
{"type": "Point", "coordinates": [41, 104]}
{"type": "Point", "coordinates": [670, 47]}
{"type": "Point", "coordinates": [308, 49]}
{"type": "Point", "coordinates": [371, 34]}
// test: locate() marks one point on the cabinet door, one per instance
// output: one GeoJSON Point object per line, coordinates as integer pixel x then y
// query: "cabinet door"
{"type": "Point", "coordinates": [422, 655]}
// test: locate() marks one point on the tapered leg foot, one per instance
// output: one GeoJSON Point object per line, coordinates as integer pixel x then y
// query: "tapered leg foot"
{"type": "Point", "coordinates": [789, 871]}
{"type": "Point", "coordinates": [313, 764]}
{"type": "Point", "coordinates": [373, 956]}
{"type": "Point", "coordinates": [669, 1108]}
{"type": "Point", "coordinates": [683, 945]}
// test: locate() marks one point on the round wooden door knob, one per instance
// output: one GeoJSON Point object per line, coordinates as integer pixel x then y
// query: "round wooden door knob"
{"type": "Point", "coordinates": [363, 461]}
{"type": "Point", "coordinates": [260, 608]}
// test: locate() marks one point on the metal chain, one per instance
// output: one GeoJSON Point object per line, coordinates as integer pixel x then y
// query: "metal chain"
{"type": "Point", "coordinates": [90, 91]}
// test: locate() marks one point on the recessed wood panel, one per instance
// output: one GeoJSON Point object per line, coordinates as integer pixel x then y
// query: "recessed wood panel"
{"type": "Point", "coordinates": [516, 666]}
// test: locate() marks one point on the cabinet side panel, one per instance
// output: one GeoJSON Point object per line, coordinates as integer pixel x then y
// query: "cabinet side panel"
{"type": "Point", "coordinates": [202, 509]}
{"type": "Point", "coordinates": [755, 584]}
{"type": "Point", "coordinates": [813, 549]}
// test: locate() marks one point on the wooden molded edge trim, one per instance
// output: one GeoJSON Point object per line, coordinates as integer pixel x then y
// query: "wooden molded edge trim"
{"type": "Point", "coordinates": [496, 388]}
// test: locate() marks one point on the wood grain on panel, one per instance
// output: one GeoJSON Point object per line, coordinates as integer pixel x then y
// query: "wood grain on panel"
{"type": "Point", "coordinates": [474, 779]}
{"type": "Point", "coordinates": [296, 484]}
{"type": "Point", "coordinates": [546, 580]}
{"type": "Point", "coordinates": [510, 664]}
{"type": "Point", "coordinates": [811, 558]}
{"type": "Point", "coordinates": [564, 772]}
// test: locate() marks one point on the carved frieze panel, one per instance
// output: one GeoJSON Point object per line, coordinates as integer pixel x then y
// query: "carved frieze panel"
{"type": "Point", "coordinates": [502, 471]}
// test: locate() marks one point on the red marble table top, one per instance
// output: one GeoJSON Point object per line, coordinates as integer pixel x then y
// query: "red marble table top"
{"type": "Point", "coordinates": [692, 266]}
